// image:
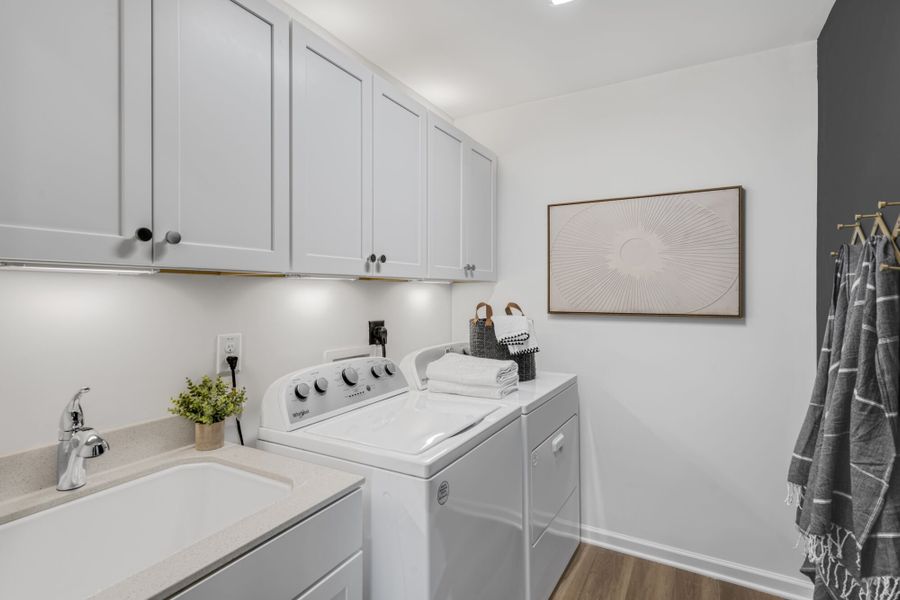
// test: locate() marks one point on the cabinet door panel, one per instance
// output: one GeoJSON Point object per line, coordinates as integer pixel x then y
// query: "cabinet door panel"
{"type": "Point", "coordinates": [480, 212]}
{"type": "Point", "coordinates": [446, 247]}
{"type": "Point", "coordinates": [220, 132]}
{"type": "Point", "coordinates": [332, 168]}
{"type": "Point", "coordinates": [344, 583]}
{"type": "Point", "coordinates": [399, 183]}
{"type": "Point", "coordinates": [75, 130]}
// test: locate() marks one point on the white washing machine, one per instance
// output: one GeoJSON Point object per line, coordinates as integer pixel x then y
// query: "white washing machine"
{"type": "Point", "coordinates": [443, 494]}
{"type": "Point", "coordinates": [550, 460]}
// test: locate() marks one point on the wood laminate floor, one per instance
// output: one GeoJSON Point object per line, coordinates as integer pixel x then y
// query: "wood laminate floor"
{"type": "Point", "coordinates": [599, 574]}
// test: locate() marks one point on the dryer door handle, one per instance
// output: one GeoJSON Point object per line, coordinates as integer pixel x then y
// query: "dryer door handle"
{"type": "Point", "coordinates": [557, 443]}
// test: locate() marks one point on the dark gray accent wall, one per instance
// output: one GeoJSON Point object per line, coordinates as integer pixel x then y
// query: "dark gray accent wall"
{"type": "Point", "coordinates": [859, 124]}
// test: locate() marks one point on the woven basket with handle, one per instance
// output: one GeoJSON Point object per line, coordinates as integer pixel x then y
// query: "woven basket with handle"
{"type": "Point", "coordinates": [482, 340]}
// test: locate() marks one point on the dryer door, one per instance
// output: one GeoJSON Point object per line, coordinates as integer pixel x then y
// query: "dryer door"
{"type": "Point", "coordinates": [554, 475]}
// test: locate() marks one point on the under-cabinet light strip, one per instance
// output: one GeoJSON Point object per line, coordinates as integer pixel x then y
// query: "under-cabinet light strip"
{"type": "Point", "coordinates": [67, 269]}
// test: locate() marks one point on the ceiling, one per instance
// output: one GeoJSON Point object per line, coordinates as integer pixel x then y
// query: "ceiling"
{"type": "Point", "coordinates": [471, 56]}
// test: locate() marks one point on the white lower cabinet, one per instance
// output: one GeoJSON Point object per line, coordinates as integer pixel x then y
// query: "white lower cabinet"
{"type": "Point", "coordinates": [344, 583]}
{"type": "Point", "coordinates": [319, 558]}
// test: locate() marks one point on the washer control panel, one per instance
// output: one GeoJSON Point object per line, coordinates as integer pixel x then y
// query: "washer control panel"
{"type": "Point", "coordinates": [306, 396]}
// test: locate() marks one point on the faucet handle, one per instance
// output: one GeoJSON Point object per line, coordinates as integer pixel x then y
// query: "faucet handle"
{"type": "Point", "coordinates": [72, 417]}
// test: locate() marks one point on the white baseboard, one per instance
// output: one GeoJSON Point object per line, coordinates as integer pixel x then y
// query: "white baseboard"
{"type": "Point", "coordinates": [776, 584]}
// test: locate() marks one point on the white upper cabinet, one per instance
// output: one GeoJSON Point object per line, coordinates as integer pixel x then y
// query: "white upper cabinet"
{"type": "Point", "coordinates": [220, 138]}
{"type": "Point", "coordinates": [399, 184]}
{"type": "Point", "coordinates": [462, 206]}
{"type": "Point", "coordinates": [220, 135]}
{"type": "Point", "coordinates": [75, 165]}
{"type": "Point", "coordinates": [480, 212]}
{"type": "Point", "coordinates": [446, 160]}
{"type": "Point", "coordinates": [332, 158]}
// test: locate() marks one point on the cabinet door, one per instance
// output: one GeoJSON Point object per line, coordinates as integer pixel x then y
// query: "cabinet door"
{"type": "Point", "coordinates": [344, 583]}
{"type": "Point", "coordinates": [399, 183]}
{"type": "Point", "coordinates": [480, 212]}
{"type": "Point", "coordinates": [221, 102]}
{"type": "Point", "coordinates": [332, 158]}
{"type": "Point", "coordinates": [75, 163]}
{"type": "Point", "coordinates": [446, 156]}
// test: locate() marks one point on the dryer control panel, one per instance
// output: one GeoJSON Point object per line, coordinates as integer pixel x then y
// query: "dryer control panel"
{"type": "Point", "coordinates": [306, 396]}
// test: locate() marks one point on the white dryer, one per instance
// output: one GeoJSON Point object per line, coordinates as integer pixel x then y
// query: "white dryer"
{"type": "Point", "coordinates": [550, 460]}
{"type": "Point", "coordinates": [443, 494]}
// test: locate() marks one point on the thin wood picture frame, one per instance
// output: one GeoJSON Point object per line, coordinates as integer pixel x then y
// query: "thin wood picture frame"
{"type": "Point", "coordinates": [677, 254]}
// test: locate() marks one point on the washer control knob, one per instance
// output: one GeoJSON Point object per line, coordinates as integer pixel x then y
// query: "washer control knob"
{"type": "Point", "coordinates": [301, 390]}
{"type": "Point", "coordinates": [389, 368]}
{"type": "Point", "coordinates": [377, 371]}
{"type": "Point", "coordinates": [351, 377]}
{"type": "Point", "coordinates": [321, 385]}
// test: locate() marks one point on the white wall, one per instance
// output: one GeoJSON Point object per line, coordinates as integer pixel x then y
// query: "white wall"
{"type": "Point", "coordinates": [135, 339]}
{"type": "Point", "coordinates": [687, 424]}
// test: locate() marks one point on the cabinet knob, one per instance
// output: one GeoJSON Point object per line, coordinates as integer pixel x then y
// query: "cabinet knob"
{"type": "Point", "coordinates": [173, 237]}
{"type": "Point", "coordinates": [383, 259]}
{"type": "Point", "coordinates": [372, 258]}
{"type": "Point", "coordinates": [144, 234]}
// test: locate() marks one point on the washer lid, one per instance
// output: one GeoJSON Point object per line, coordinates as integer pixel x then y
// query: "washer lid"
{"type": "Point", "coordinates": [406, 424]}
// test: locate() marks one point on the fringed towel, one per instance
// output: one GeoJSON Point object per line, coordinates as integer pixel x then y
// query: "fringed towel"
{"type": "Point", "coordinates": [842, 475]}
{"type": "Point", "coordinates": [511, 329]}
{"type": "Point", "coordinates": [516, 332]}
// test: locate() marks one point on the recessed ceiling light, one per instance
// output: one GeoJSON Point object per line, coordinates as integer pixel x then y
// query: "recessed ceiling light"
{"type": "Point", "coordinates": [558, 2]}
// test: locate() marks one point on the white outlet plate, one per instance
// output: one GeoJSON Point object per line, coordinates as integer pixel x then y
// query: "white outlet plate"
{"type": "Point", "coordinates": [228, 344]}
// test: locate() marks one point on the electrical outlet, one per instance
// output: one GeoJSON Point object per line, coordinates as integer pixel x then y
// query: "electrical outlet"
{"type": "Point", "coordinates": [372, 326]}
{"type": "Point", "coordinates": [228, 344]}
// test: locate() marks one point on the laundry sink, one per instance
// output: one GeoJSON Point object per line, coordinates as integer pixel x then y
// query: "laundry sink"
{"type": "Point", "coordinates": [76, 549]}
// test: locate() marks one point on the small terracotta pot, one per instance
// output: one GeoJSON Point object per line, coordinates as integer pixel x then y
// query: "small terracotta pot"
{"type": "Point", "coordinates": [209, 437]}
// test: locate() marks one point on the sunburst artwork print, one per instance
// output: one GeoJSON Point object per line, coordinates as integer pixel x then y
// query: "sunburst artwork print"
{"type": "Point", "coordinates": [675, 254]}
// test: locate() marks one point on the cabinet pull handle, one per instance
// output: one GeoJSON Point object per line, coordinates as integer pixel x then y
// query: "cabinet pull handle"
{"type": "Point", "coordinates": [372, 258]}
{"type": "Point", "coordinates": [173, 237]}
{"type": "Point", "coordinates": [383, 259]}
{"type": "Point", "coordinates": [144, 234]}
{"type": "Point", "coordinates": [557, 443]}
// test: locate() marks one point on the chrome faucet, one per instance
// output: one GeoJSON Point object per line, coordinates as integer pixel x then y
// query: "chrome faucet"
{"type": "Point", "coordinates": [76, 443]}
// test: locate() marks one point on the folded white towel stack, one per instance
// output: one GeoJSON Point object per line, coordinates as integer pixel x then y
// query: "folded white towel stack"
{"type": "Point", "coordinates": [469, 376]}
{"type": "Point", "coordinates": [479, 391]}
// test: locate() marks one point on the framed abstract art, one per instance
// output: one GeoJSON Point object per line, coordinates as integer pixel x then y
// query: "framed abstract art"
{"type": "Point", "coordinates": [678, 254]}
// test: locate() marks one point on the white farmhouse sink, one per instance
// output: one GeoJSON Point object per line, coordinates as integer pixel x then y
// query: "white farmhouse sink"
{"type": "Point", "coordinates": [76, 549]}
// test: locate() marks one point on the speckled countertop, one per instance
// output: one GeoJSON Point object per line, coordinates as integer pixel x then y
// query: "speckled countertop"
{"type": "Point", "coordinates": [313, 487]}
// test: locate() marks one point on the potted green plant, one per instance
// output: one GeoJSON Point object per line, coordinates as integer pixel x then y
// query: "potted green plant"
{"type": "Point", "coordinates": [208, 404]}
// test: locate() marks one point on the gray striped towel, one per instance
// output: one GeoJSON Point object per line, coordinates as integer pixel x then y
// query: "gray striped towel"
{"type": "Point", "coordinates": [842, 474]}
